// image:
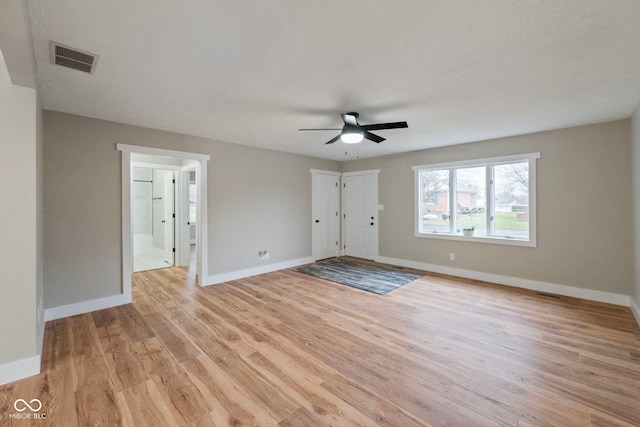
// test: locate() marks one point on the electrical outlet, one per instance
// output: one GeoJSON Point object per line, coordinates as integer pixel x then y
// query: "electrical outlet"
{"type": "Point", "coordinates": [452, 256]}
{"type": "Point", "coordinates": [263, 254]}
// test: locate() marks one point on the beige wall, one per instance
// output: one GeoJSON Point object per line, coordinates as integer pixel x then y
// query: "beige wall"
{"type": "Point", "coordinates": [635, 143]}
{"type": "Point", "coordinates": [39, 228]}
{"type": "Point", "coordinates": [17, 43]}
{"type": "Point", "coordinates": [21, 255]}
{"type": "Point", "coordinates": [258, 199]}
{"type": "Point", "coordinates": [19, 226]}
{"type": "Point", "coordinates": [584, 209]}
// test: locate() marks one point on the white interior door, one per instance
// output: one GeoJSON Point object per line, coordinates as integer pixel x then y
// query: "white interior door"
{"type": "Point", "coordinates": [169, 218]}
{"type": "Point", "coordinates": [360, 214]}
{"type": "Point", "coordinates": [326, 216]}
{"type": "Point", "coordinates": [158, 224]}
{"type": "Point", "coordinates": [184, 226]}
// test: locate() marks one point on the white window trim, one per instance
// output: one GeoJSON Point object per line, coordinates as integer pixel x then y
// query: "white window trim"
{"type": "Point", "coordinates": [491, 161]}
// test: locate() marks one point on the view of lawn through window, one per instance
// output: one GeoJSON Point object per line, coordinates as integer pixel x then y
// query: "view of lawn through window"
{"type": "Point", "coordinates": [489, 199]}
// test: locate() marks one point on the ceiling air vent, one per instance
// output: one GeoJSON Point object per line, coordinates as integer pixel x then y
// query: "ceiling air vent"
{"type": "Point", "coordinates": [73, 58]}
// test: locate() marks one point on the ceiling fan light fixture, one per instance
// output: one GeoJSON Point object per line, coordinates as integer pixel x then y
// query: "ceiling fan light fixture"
{"type": "Point", "coordinates": [352, 137]}
{"type": "Point", "coordinates": [353, 132]}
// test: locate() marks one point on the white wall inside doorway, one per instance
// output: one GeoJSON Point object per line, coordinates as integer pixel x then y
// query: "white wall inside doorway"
{"type": "Point", "coordinates": [149, 216]}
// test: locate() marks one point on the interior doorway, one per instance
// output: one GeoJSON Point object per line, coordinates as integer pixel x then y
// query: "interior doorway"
{"type": "Point", "coordinates": [168, 241]}
{"type": "Point", "coordinates": [153, 218]}
{"type": "Point", "coordinates": [179, 162]}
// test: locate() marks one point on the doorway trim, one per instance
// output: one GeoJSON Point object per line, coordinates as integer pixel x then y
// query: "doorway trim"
{"type": "Point", "coordinates": [184, 209]}
{"type": "Point", "coordinates": [201, 210]}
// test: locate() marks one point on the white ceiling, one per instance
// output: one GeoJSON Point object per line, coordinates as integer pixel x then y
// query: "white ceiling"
{"type": "Point", "coordinates": [253, 72]}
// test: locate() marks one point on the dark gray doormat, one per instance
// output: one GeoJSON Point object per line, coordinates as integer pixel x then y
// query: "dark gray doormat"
{"type": "Point", "coordinates": [372, 278]}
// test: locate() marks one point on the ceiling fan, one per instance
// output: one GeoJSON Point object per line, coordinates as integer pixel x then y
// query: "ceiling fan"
{"type": "Point", "coordinates": [353, 132]}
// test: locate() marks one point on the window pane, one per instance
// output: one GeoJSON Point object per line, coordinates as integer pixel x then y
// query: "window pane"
{"type": "Point", "coordinates": [434, 201]}
{"type": "Point", "coordinates": [512, 200]}
{"type": "Point", "coordinates": [471, 200]}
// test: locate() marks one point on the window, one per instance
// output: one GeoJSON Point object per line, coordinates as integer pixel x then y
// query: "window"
{"type": "Point", "coordinates": [490, 200]}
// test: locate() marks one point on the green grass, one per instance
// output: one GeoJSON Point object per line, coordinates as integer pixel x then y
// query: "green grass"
{"type": "Point", "coordinates": [509, 221]}
{"type": "Point", "coordinates": [504, 221]}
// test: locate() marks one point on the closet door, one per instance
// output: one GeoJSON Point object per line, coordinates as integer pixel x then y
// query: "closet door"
{"type": "Point", "coordinates": [326, 214]}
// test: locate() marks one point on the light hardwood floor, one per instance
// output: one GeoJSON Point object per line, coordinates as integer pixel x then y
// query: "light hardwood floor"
{"type": "Point", "coordinates": [284, 349]}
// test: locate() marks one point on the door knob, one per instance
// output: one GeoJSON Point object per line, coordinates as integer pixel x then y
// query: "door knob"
{"type": "Point", "coordinates": [317, 220]}
{"type": "Point", "coordinates": [371, 223]}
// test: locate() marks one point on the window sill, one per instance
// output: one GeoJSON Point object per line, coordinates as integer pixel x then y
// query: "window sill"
{"type": "Point", "coordinates": [479, 239]}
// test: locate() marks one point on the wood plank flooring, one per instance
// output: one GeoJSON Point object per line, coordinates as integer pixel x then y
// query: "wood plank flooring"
{"type": "Point", "coordinates": [285, 349]}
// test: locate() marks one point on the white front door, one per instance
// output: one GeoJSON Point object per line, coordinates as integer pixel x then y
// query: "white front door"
{"type": "Point", "coordinates": [169, 217]}
{"type": "Point", "coordinates": [360, 214]}
{"type": "Point", "coordinates": [326, 216]}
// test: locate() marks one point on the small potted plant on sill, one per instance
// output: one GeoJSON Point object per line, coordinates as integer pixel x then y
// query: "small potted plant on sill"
{"type": "Point", "coordinates": [468, 231]}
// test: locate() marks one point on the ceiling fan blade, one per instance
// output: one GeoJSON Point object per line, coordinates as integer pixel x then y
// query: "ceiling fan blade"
{"type": "Point", "coordinates": [378, 126]}
{"type": "Point", "coordinates": [350, 119]}
{"type": "Point", "coordinates": [322, 129]}
{"type": "Point", "coordinates": [373, 137]}
{"type": "Point", "coordinates": [331, 141]}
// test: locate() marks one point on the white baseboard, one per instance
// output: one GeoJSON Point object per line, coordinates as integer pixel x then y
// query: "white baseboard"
{"type": "Point", "coordinates": [241, 274]}
{"type": "Point", "coordinates": [534, 285]}
{"type": "Point", "coordinates": [635, 309]}
{"type": "Point", "coordinates": [62, 311]}
{"type": "Point", "coordinates": [19, 369]}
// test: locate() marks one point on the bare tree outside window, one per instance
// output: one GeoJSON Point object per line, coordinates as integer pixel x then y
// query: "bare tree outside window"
{"type": "Point", "coordinates": [434, 203]}
{"type": "Point", "coordinates": [434, 182]}
{"type": "Point", "coordinates": [512, 199]}
{"type": "Point", "coordinates": [519, 174]}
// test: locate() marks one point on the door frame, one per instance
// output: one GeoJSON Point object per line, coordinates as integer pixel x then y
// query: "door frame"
{"type": "Point", "coordinates": [127, 204]}
{"type": "Point", "coordinates": [374, 172]}
{"type": "Point", "coordinates": [314, 237]}
{"type": "Point", "coordinates": [183, 203]}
